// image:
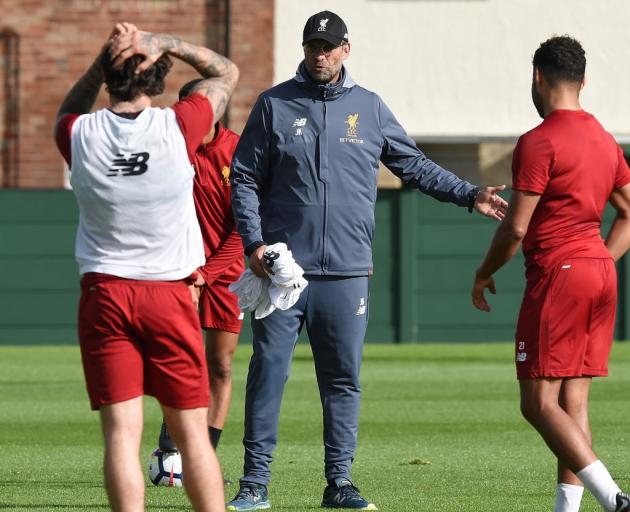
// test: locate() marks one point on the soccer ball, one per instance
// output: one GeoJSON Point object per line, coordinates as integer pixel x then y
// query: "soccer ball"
{"type": "Point", "coordinates": [165, 468]}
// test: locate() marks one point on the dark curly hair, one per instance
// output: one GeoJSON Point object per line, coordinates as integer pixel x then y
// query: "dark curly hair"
{"type": "Point", "coordinates": [188, 87]}
{"type": "Point", "coordinates": [561, 59]}
{"type": "Point", "coordinates": [125, 85]}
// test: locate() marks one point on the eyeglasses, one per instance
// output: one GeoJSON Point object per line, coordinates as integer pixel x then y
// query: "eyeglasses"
{"type": "Point", "coordinates": [316, 47]}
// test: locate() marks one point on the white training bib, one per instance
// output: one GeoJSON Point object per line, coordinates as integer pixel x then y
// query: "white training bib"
{"type": "Point", "coordinates": [133, 182]}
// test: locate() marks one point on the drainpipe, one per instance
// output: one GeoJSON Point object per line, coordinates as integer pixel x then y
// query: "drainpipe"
{"type": "Point", "coordinates": [226, 49]}
{"type": "Point", "coordinates": [9, 148]}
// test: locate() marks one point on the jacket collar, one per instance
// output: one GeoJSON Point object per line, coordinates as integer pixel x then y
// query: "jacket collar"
{"type": "Point", "coordinates": [342, 85]}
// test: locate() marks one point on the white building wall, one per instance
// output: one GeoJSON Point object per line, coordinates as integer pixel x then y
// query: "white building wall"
{"type": "Point", "coordinates": [452, 69]}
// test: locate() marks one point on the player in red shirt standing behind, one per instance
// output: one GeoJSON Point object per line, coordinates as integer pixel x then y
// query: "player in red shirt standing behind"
{"type": "Point", "coordinates": [564, 172]}
{"type": "Point", "coordinates": [218, 307]}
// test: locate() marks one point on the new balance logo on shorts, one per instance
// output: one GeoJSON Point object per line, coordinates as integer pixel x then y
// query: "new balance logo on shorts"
{"type": "Point", "coordinates": [129, 164]}
{"type": "Point", "coordinates": [521, 357]}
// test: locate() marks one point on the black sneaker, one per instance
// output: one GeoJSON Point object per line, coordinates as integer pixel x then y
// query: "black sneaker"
{"type": "Point", "coordinates": [250, 497]}
{"type": "Point", "coordinates": [165, 441]}
{"type": "Point", "coordinates": [343, 494]}
{"type": "Point", "coordinates": [623, 502]}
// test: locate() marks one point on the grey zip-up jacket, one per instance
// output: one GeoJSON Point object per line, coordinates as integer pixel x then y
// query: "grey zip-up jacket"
{"type": "Point", "coordinates": [305, 172]}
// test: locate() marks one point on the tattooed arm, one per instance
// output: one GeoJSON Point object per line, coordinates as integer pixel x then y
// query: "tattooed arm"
{"type": "Point", "coordinates": [220, 74]}
{"type": "Point", "coordinates": [82, 96]}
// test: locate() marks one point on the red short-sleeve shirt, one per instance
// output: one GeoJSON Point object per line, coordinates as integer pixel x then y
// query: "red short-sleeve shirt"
{"type": "Point", "coordinates": [574, 164]}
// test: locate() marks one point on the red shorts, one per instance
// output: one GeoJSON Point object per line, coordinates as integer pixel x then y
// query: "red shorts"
{"type": "Point", "coordinates": [141, 337]}
{"type": "Point", "coordinates": [567, 320]}
{"type": "Point", "coordinates": [218, 307]}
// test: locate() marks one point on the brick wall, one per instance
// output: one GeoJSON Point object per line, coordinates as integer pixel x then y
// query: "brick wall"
{"type": "Point", "coordinates": [60, 38]}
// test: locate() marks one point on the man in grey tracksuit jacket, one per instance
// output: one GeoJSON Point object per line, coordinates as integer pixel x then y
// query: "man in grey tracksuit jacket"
{"type": "Point", "coordinates": [305, 173]}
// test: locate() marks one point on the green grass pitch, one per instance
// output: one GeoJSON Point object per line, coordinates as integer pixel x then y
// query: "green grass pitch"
{"type": "Point", "coordinates": [440, 431]}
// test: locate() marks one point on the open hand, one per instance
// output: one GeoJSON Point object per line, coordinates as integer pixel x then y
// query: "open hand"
{"type": "Point", "coordinates": [130, 41]}
{"type": "Point", "coordinates": [491, 204]}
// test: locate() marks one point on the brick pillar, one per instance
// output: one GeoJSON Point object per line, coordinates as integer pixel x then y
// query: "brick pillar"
{"type": "Point", "coordinates": [252, 51]}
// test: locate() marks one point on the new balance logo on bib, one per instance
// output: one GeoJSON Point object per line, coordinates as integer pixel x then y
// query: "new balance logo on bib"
{"type": "Point", "coordinates": [129, 164]}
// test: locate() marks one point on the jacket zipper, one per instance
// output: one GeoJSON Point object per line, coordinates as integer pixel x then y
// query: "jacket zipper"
{"type": "Point", "coordinates": [324, 183]}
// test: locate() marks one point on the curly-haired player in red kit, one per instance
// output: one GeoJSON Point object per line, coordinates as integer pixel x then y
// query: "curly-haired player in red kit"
{"type": "Point", "coordinates": [220, 316]}
{"type": "Point", "coordinates": [564, 172]}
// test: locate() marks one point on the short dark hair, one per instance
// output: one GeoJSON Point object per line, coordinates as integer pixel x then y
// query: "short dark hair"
{"type": "Point", "coordinates": [125, 85]}
{"type": "Point", "coordinates": [187, 88]}
{"type": "Point", "coordinates": [561, 59]}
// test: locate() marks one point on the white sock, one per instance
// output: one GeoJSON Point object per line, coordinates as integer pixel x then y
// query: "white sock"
{"type": "Point", "coordinates": [568, 498]}
{"type": "Point", "coordinates": [597, 479]}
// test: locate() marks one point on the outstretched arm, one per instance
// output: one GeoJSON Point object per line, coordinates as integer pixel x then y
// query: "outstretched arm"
{"type": "Point", "coordinates": [220, 74]}
{"type": "Point", "coordinates": [401, 156]}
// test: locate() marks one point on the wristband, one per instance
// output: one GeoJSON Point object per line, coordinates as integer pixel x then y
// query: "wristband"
{"type": "Point", "coordinates": [252, 247]}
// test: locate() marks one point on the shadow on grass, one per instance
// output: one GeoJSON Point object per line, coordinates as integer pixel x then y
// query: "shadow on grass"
{"type": "Point", "coordinates": [21, 483]}
{"type": "Point", "coordinates": [402, 357]}
{"type": "Point", "coordinates": [293, 508]}
{"type": "Point", "coordinates": [47, 383]}
{"type": "Point", "coordinates": [55, 506]}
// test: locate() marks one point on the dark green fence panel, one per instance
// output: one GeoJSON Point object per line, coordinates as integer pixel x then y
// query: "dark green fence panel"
{"type": "Point", "coordinates": [38, 276]}
{"type": "Point", "coordinates": [449, 245]}
{"type": "Point", "coordinates": [425, 254]}
{"type": "Point", "coordinates": [383, 303]}
{"type": "Point", "coordinates": [432, 263]}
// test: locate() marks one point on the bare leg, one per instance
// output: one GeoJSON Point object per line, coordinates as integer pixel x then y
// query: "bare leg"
{"type": "Point", "coordinates": [574, 401]}
{"type": "Point", "coordinates": [540, 405]}
{"type": "Point", "coordinates": [220, 348]}
{"type": "Point", "coordinates": [122, 430]}
{"type": "Point", "coordinates": [202, 474]}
